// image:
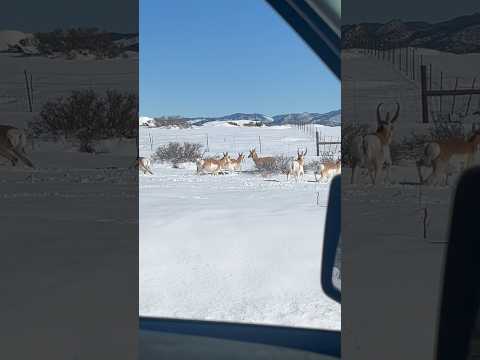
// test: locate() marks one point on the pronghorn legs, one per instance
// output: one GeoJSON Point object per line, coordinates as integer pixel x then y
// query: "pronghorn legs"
{"type": "Point", "coordinates": [354, 173]}
{"type": "Point", "coordinates": [8, 155]}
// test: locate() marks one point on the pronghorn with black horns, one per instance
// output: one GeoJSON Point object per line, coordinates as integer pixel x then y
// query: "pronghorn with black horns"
{"type": "Point", "coordinates": [437, 155]}
{"type": "Point", "coordinates": [296, 166]}
{"type": "Point", "coordinates": [373, 150]}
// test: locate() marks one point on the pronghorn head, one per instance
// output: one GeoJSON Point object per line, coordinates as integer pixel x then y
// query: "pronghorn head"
{"type": "Point", "coordinates": [240, 157]}
{"type": "Point", "coordinates": [253, 153]}
{"type": "Point", "coordinates": [387, 123]}
{"type": "Point", "coordinates": [301, 155]}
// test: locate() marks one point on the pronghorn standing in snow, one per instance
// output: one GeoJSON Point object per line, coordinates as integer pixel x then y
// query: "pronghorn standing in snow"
{"type": "Point", "coordinates": [236, 164]}
{"type": "Point", "coordinates": [296, 166]}
{"type": "Point", "coordinates": [213, 166]}
{"type": "Point", "coordinates": [261, 162]}
{"type": "Point", "coordinates": [12, 145]}
{"type": "Point", "coordinates": [437, 155]}
{"type": "Point", "coordinates": [144, 164]}
{"type": "Point", "coordinates": [328, 169]}
{"type": "Point", "coordinates": [373, 150]}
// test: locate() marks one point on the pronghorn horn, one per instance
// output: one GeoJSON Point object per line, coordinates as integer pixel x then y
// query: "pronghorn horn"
{"type": "Point", "coordinates": [305, 153]}
{"type": "Point", "coordinates": [396, 113]}
{"type": "Point", "coordinates": [379, 118]}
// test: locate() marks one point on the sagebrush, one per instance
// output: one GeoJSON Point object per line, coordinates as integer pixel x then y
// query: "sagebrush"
{"type": "Point", "coordinates": [87, 116]}
{"type": "Point", "coordinates": [176, 152]}
{"type": "Point", "coordinates": [349, 132]}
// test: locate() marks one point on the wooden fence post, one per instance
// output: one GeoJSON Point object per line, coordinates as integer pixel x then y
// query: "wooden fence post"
{"type": "Point", "coordinates": [470, 97]}
{"type": "Point", "coordinates": [28, 92]}
{"type": "Point", "coordinates": [441, 88]}
{"type": "Point", "coordinates": [454, 97]}
{"type": "Point", "coordinates": [317, 141]}
{"type": "Point", "coordinates": [423, 82]}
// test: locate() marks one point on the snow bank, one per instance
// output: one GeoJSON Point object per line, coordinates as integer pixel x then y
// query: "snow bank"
{"type": "Point", "coordinates": [11, 37]}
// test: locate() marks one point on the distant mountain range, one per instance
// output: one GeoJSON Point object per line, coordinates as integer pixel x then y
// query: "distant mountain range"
{"type": "Point", "coordinates": [332, 118]}
{"type": "Point", "coordinates": [460, 35]}
{"type": "Point", "coordinates": [20, 42]}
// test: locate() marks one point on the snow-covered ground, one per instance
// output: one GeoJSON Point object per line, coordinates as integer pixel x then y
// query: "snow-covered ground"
{"type": "Point", "coordinates": [236, 247]}
{"type": "Point", "coordinates": [68, 226]}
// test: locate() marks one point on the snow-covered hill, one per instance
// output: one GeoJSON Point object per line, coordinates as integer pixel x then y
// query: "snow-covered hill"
{"type": "Point", "coordinates": [10, 38]}
{"type": "Point", "coordinates": [459, 35]}
{"type": "Point", "coordinates": [332, 118]}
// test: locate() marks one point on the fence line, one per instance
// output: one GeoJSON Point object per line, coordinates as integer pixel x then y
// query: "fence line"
{"type": "Point", "coordinates": [435, 84]}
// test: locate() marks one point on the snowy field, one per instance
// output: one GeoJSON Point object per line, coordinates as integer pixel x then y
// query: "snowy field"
{"type": "Point", "coordinates": [50, 280]}
{"type": "Point", "coordinates": [236, 247]}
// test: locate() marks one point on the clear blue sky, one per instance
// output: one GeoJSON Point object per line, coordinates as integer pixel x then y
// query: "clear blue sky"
{"type": "Point", "coordinates": [232, 56]}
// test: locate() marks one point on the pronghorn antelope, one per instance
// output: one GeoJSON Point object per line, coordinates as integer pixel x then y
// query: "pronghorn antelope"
{"type": "Point", "coordinates": [261, 162]}
{"type": "Point", "coordinates": [213, 166]}
{"type": "Point", "coordinates": [373, 150]}
{"type": "Point", "coordinates": [439, 153]}
{"type": "Point", "coordinates": [144, 164]}
{"type": "Point", "coordinates": [296, 166]}
{"type": "Point", "coordinates": [328, 169]}
{"type": "Point", "coordinates": [236, 164]}
{"type": "Point", "coordinates": [12, 145]}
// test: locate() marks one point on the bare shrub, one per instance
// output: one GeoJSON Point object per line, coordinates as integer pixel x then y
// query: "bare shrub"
{"type": "Point", "coordinates": [233, 123]}
{"type": "Point", "coordinates": [87, 116]}
{"type": "Point", "coordinates": [349, 132]}
{"type": "Point", "coordinates": [447, 130]}
{"type": "Point", "coordinates": [176, 153]}
{"type": "Point", "coordinates": [279, 164]}
{"type": "Point", "coordinates": [313, 165]}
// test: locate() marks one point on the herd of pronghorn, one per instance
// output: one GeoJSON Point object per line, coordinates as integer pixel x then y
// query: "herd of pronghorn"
{"type": "Point", "coordinates": [371, 151]}
{"type": "Point", "coordinates": [215, 166]}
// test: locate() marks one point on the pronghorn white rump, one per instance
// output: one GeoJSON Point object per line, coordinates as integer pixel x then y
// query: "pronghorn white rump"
{"type": "Point", "coordinates": [373, 150]}
{"type": "Point", "coordinates": [327, 170]}
{"type": "Point", "coordinates": [296, 166]}
{"type": "Point", "coordinates": [12, 145]}
{"type": "Point", "coordinates": [144, 164]}
{"type": "Point", "coordinates": [438, 155]}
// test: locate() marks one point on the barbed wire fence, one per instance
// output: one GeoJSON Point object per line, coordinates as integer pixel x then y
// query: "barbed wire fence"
{"type": "Point", "coordinates": [444, 96]}
{"type": "Point", "coordinates": [27, 90]}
